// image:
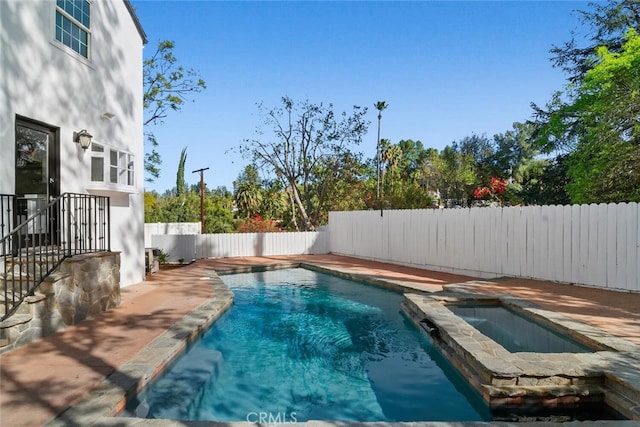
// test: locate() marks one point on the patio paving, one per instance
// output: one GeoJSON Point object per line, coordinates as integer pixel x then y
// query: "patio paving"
{"type": "Point", "coordinates": [42, 379]}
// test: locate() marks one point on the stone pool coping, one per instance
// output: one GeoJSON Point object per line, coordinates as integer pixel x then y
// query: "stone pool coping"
{"type": "Point", "coordinates": [109, 398]}
{"type": "Point", "coordinates": [506, 379]}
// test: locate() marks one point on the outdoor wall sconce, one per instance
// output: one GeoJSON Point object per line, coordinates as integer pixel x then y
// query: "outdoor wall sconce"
{"type": "Point", "coordinates": [83, 137]}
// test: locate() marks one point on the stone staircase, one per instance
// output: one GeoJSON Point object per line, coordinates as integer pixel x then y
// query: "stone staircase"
{"type": "Point", "coordinates": [81, 286]}
{"type": "Point", "coordinates": [36, 316]}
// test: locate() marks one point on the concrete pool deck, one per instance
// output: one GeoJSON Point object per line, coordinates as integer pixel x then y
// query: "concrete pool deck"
{"type": "Point", "coordinates": [41, 380]}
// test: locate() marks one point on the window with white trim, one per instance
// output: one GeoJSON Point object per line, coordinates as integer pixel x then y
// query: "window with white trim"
{"type": "Point", "coordinates": [112, 166]}
{"type": "Point", "coordinates": [73, 23]}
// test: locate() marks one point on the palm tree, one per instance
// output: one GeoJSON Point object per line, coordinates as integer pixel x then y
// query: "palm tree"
{"type": "Point", "coordinates": [390, 156]}
{"type": "Point", "coordinates": [248, 198]}
{"type": "Point", "coordinates": [380, 105]}
{"type": "Point", "coordinates": [248, 191]}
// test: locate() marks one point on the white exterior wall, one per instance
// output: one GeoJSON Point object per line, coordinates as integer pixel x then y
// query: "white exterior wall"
{"type": "Point", "coordinates": [45, 81]}
{"type": "Point", "coordinates": [593, 245]}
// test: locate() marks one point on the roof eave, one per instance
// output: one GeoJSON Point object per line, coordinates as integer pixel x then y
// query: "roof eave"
{"type": "Point", "coordinates": [136, 21]}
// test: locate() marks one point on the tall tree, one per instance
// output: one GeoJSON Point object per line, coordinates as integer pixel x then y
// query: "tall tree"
{"type": "Point", "coordinates": [607, 23]}
{"type": "Point", "coordinates": [380, 106]}
{"type": "Point", "coordinates": [595, 118]}
{"type": "Point", "coordinates": [455, 175]}
{"type": "Point", "coordinates": [181, 184]}
{"type": "Point", "coordinates": [217, 210]}
{"type": "Point", "coordinates": [306, 147]}
{"type": "Point", "coordinates": [349, 187]}
{"type": "Point", "coordinates": [544, 182]}
{"type": "Point", "coordinates": [414, 155]}
{"type": "Point", "coordinates": [513, 150]}
{"type": "Point", "coordinates": [481, 149]}
{"type": "Point", "coordinates": [167, 86]}
{"type": "Point", "coordinates": [558, 126]}
{"type": "Point", "coordinates": [606, 112]}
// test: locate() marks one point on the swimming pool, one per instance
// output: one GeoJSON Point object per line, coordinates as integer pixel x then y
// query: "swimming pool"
{"type": "Point", "coordinates": [299, 345]}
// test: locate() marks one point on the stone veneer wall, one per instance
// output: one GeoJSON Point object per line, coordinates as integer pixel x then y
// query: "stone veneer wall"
{"type": "Point", "coordinates": [83, 286]}
{"type": "Point", "coordinates": [93, 286]}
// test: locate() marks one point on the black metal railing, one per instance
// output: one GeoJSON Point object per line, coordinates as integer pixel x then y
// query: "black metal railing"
{"type": "Point", "coordinates": [7, 203]}
{"type": "Point", "coordinates": [45, 234]}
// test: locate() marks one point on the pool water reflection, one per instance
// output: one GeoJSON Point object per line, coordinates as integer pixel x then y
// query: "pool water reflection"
{"type": "Point", "coordinates": [300, 345]}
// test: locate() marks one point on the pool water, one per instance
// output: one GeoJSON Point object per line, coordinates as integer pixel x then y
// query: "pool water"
{"type": "Point", "coordinates": [299, 345]}
{"type": "Point", "coordinates": [516, 333]}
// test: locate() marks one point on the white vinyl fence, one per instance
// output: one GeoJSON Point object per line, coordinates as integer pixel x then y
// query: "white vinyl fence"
{"type": "Point", "coordinates": [595, 245]}
{"type": "Point", "coordinates": [196, 246]}
{"type": "Point", "coordinates": [168, 228]}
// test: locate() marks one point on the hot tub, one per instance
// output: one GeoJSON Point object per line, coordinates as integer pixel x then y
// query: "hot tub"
{"type": "Point", "coordinates": [517, 332]}
{"type": "Point", "coordinates": [528, 363]}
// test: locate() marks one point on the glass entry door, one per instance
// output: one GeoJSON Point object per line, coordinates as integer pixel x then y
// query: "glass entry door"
{"type": "Point", "coordinates": [36, 179]}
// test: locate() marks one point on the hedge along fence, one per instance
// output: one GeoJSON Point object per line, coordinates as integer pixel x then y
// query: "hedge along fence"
{"type": "Point", "coordinates": [594, 245]}
{"type": "Point", "coordinates": [222, 245]}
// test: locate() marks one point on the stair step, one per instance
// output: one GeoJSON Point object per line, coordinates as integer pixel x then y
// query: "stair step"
{"type": "Point", "coordinates": [16, 319]}
{"type": "Point", "coordinates": [15, 263]}
{"type": "Point", "coordinates": [40, 249]}
{"type": "Point", "coordinates": [13, 276]}
{"type": "Point", "coordinates": [14, 285]}
{"type": "Point", "coordinates": [25, 273]}
{"type": "Point", "coordinates": [11, 296]}
{"type": "Point", "coordinates": [21, 274]}
{"type": "Point", "coordinates": [36, 297]}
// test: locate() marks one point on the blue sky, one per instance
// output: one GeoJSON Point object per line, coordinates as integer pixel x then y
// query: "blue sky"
{"type": "Point", "coordinates": [447, 69]}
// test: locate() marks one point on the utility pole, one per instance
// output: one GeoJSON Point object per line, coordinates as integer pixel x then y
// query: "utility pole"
{"type": "Point", "coordinates": [201, 197]}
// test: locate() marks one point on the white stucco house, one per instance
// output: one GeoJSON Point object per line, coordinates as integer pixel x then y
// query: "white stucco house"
{"type": "Point", "coordinates": [70, 67]}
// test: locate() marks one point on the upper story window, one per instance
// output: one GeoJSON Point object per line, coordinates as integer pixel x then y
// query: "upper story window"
{"type": "Point", "coordinates": [111, 166]}
{"type": "Point", "coordinates": [73, 23]}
